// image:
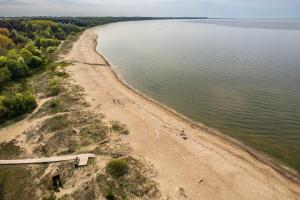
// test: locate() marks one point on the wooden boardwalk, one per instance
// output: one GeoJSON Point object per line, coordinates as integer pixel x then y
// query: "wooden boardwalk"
{"type": "Point", "coordinates": [80, 160]}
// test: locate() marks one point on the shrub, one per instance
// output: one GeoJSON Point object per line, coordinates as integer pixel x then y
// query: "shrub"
{"type": "Point", "coordinates": [109, 195]}
{"type": "Point", "coordinates": [3, 109]}
{"type": "Point", "coordinates": [17, 68]}
{"type": "Point", "coordinates": [54, 87]}
{"type": "Point", "coordinates": [4, 31]}
{"type": "Point", "coordinates": [45, 42]}
{"type": "Point", "coordinates": [4, 76]}
{"type": "Point", "coordinates": [3, 60]}
{"type": "Point", "coordinates": [13, 54]}
{"type": "Point", "coordinates": [16, 104]}
{"type": "Point", "coordinates": [33, 49]}
{"type": "Point", "coordinates": [53, 103]}
{"type": "Point", "coordinates": [35, 62]}
{"type": "Point", "coordinates": [119, 127]}
{"type": "Point", "coordinates": [26, 55]}
{"type": "Point", "coordinates": [18, 38]}
{"type": "Point", "coordinates": [117, 167]}
{"type": "Point", "coordinates": [5, 42]}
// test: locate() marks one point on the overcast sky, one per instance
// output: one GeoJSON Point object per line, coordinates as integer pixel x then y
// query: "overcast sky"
{"type": "Point", "coordinates": [209, 8]}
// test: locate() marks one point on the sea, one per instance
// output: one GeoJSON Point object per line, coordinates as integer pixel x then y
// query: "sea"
{"type": "Point", "coordinates": [239, 76]}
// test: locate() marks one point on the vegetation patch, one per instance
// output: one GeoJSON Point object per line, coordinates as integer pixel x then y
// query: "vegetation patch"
{"type": "Point", "coordinates": [133, 184]}
{"type": "Point", "coordinates": [118, 127]}
{"type": "Point", "coordinates": [9, 150]}
{"type": "Point", "coordinates": [95, 132]}
{"type": "Point", "coordinates": [61, 143]}
{"type": "Point", "coordinates": [15, 105]}
{"type": "Point", "coordinates": [18, 182]}
{"type": "Point", "coordinates": [117, 167]}
{"type": "Point", "coordinates": [55, 87]}
{"type": "Point", "coordinates": [55, 123]}
{"type": "Point", "coordinates": [115, 150]}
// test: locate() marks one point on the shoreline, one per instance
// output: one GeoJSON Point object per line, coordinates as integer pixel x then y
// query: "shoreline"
{"type": "Point", "coordinates": [204, 154]}
{"type": "Point", "coordinates": [286, 171]}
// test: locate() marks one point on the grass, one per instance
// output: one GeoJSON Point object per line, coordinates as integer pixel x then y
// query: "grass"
{"type": "Point", "coordinates": [95, 132]}
{"type": "Point", "coordinates": [117, 167]}
{"type": "Point", "coordinates": [134, 184]}
{"type": "Point", "coordinates": [19, 182]}
{"type": "Point", "coordinates": [55, 123]}
{"type": "Point", "coordinates": [118, 127]}
{"type": "Point", "coordinates": [9, 150]}
{"type": "Point", "coordinates": [54, 87]}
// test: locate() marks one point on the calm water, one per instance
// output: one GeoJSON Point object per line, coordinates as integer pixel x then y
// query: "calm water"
{"type": "Point", "coordinates": [241, 77]}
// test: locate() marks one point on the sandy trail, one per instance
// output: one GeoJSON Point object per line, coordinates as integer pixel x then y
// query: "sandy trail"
{"type": "Point", "coordinates": [204, 165]}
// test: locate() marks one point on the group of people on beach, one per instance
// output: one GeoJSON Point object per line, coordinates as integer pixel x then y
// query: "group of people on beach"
{"type": "Point", "coordinates": [117, 101]}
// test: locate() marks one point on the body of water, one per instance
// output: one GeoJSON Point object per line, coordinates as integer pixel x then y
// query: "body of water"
{"type": "Point", "coordinates": [241, 77]}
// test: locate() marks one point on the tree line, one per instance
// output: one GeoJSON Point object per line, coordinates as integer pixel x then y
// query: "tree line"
{"type": "Point", "coordinates": [27, 46]}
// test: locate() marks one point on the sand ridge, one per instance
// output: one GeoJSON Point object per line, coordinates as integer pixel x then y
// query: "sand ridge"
{"type": "Point", "coordinates": [192, 165]}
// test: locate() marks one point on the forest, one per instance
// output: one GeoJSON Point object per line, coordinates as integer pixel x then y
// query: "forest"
{"type": "Point", "coordinates": [29, 46]}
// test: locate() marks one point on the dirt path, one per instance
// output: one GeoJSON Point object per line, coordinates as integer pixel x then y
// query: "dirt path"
{"type": "Point", "coordinates": [203, 166]}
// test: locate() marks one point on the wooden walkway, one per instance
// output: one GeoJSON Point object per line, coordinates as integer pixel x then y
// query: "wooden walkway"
{"type": "Point", "coordinates": [80, 160]}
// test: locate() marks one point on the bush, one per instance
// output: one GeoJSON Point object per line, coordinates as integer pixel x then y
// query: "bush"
{"type": "Point", "coordinates": [54, 87]}
{"type": "Point", "coordinates": [117, 167]}
{"type": "Point", "coordinates": [5, 42]}
{"type": "Point", "coordinates": [33, 49]}
{"type": "Point", "coordinates": [45, 43]}
{"type": "Point", "coordinates": [17, 68]}
{"type": "Point", "coordinates": [18, 38]}
{"type": "Point", "coordinates": [3, 60]}
{"type": "Point", "coordinates": [109, 195]}
{"type": "Point", "coordinates": [117, 126]}
{"type": "Point", "coordinates": [26, 55]}
{"type": "Point", "coordinates": [35, 62]}
{"type": "Point", "coordinates": [4, 31]}
{"type": "Point", "coordinates": [16, 105]}
{"type": "Point", "coordinates": [3, 109]}
{"type": "Point", "coordinates": [4, 76]}
{"type": "Point", "coordinates": [13, 54]}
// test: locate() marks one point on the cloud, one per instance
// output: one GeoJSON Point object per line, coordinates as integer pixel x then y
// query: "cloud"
{"type": "Point", "coordinates": [210, 8]}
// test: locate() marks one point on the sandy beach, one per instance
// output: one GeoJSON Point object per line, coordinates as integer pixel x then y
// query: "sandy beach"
{"type": "Point", "coordinates": [197, 162]}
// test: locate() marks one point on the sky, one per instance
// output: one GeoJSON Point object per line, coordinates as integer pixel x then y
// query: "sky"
{"type": "Point", "coordinates": [155, 8]}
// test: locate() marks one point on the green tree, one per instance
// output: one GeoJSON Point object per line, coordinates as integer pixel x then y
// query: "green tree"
{"type": "Point", "coordinates": [5, 42]}
{"type": "Point", "coordinates": [3, 60]}
{"type": "Point", "coordinates": [17, 68]}
{"type": "Point", "coordinates": [5, 76]}
{"type": "Point", "coordinates": [26, 55]}
{"type": "Point", "coordinates": [4, 31]}
{"type": "Point", "coordinates": [18, 38]}
{"type": "Point", "coordinates": [13, 54]}
{"type": "Point", "coordinates": [17, 104]}
{"type": "Point", "coordinates": [35, 62]}
{"type": "Point", "coordinates": [46, 42]}
{"type": "Point", "coordinates": [33, 49]}
{"type": "Point", "coordinates": [3, 109]}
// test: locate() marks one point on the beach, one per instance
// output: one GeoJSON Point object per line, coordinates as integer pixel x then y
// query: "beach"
{"type": "Point", "coordinates": [188, 157]}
